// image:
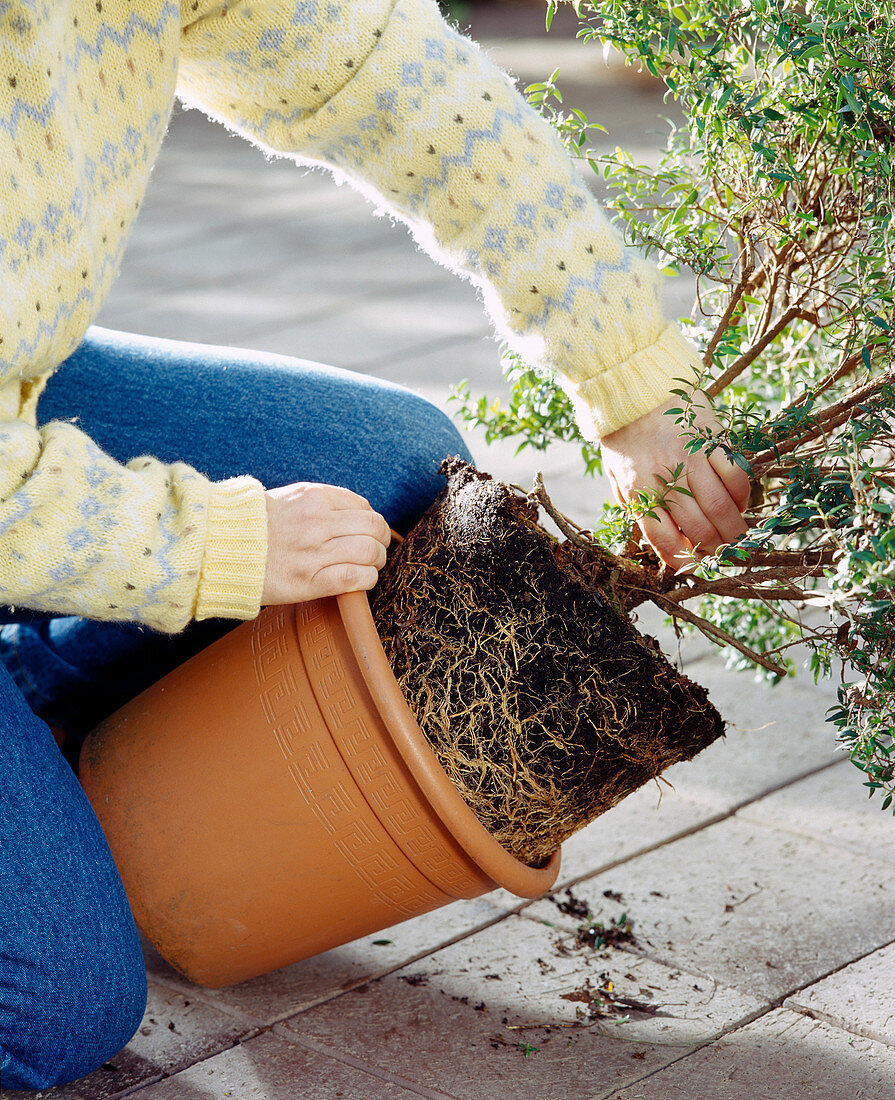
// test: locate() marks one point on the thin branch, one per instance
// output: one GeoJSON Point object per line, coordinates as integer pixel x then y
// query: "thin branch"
{"type": "Point", "coordinates": [739, 365]}
{"type": "Point", "coordinates": [735, 295]}
{"type": "Point", "coordinates": [725, 587]}
{"type": "Point", "coordinates": [571, 530]}
{"type": "Point", "coordinates": [716, 634]}
{"type": "Point", "coordinates": [825, 421]}
{"type": "Point", "coordinates": [778, 263]}
{"type": "Point", "coordinates": [741, 588]}
{"type": "Point", "coordinates": [751, 584]}
{"type": "Point", "coordinates": [812, 558]}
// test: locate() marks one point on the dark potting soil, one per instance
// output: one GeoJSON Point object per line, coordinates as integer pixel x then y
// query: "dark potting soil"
{"type": "Point", "coordinates": [543, 704]}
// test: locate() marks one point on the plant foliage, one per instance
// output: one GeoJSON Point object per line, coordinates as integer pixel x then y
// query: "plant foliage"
{"type": "Point", "coordinates": [779, 196]}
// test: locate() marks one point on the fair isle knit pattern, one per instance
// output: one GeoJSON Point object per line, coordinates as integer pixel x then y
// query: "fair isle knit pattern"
{"type": "Point", "coordinates": [381, 92]}
{"type": "Point", "coordinates": [386, 95]}
{"type": "Point", "coordinates": [85, 94]}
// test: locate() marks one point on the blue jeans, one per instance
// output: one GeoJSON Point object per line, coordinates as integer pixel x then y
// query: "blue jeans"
{"type": "Point", "coordinates": [72, 980]}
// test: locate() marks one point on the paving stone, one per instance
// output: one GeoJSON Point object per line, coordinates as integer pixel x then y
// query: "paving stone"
{"type": "Point", "coordinates": [227, 316]}
{"type": "Point", "coordinates": [382, 258]}
{"type": "Point", "coordinates": [506, 1013]}
{"type": "Point", "coordinates": [246, 259]}
{"type": "Point", "coordinates": [859, 998]}
{"type": "Point", "coordinates": [270, 1068]}
{"type": "Point", "coordinates": [265, 193]}
{"type": "Point", "coordinates": [273, 996]}
{"type": "Point", "coordinates": [206, 174]}
{"type": "Point", "coordinates": [369, 331]}
{"type": "Point", "coordinates": [176, 1031]}
{"type": "Point", "coordinates": [284, 291]}
{"type": "Point", "coordinates": [831, 806]}
{"type": "Point", "coordinates": [524, 58]}
{"type": "Point", "coordinates": [775, 734]}
{"type": "Point", "coordinates": [287, 236]}
{"type": "Point", "coordinates": [191, 249]}
{"type": "Point", "coordinates": [755, 908]}
{"type": "Point", "coordinates": [650, 816]}
{"type": "Point", "coordinates": [374, 325]}
{"type": "Point", "coordinates": [445, 364]}
{"type": "Point", "coordinates": [781, 1056]}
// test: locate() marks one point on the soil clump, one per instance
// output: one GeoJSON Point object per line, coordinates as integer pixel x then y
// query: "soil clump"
{"type": "Point", "coordinates": [541, 701]}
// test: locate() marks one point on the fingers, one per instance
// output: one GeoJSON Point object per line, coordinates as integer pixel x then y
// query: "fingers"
{"type": "Point", "coordinates": [331, 512]}
{"type": "Point", "coordinates": [361, 550]}
{"type": "Point", "coordinates": [716, 506]}
{"type": "Point", "coordinates": [708, 515]}
{"type": "Point", "coordinates": [735, 480]}
{"type": "Point", "coordinates": [322, 540]}
{"type": "Point", "coordinates": [614, 489]}
{"type": "Point", "coordinates": [336, 579]}
{"type": "Point", "coordinates": [697, 524]}
{"type": "Point", "coordinates": [338, 497]}
{"type": "Point", "coordinates": [346, 522]}
{"type": "Point", "coordinates": [665, 537]}
{"type": "Point", "coordinates": [347, 563]}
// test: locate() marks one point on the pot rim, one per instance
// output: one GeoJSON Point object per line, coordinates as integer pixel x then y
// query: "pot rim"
{"type": "Point", "coordinates": [502, 867]}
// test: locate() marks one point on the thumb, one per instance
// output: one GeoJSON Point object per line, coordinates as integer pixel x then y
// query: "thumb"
{"type": "Point", "coordinates": [613, 488]}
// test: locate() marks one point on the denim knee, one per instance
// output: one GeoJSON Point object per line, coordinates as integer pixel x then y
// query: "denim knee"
{"type": "Point", "coordinates": [427, 436]}
{"type": "Point", "coordinates": [96, 1007]}
{"type": "Point", "coordinates": [437, 433]}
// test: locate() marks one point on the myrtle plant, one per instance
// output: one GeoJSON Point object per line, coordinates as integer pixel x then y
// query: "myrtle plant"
{"type": "Point", "coordinates": [779, 196]}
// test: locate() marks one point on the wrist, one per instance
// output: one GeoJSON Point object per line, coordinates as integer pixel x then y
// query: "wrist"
{"type": "Point", "coordinates": [615, 398]}
{"type": "Point", "coordinates": [231, 578]}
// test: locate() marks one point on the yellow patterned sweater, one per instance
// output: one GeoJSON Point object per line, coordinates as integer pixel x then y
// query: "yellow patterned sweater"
{"type": "Point", "coordinates": [382, 93]}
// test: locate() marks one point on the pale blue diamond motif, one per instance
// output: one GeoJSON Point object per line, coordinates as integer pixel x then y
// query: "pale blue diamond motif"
{"type": "Point", "coordinates": [271, 39]}
{"type": "Point", "coordinates": [51, 217]}
{"type": "Point", "coordinates": [79, 538]}
{"type": "Point", "coordinates": [495, 239]}
{"type": "Point", "coordinates": [25, 232]}
{"type": "Point", "coordinates": [412, 74]}
{"type": "Point", "coordinates": [525, 214]}
{"type": "Point", "coordinates": [305, 12]}
{"type": "Point", "coordinates": [555, 196]}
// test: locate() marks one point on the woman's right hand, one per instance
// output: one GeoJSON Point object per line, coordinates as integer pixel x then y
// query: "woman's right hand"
{"type": "Point", "coordinates": [321, 540]}
{"type": "Point", "coordinates": [709, 514]}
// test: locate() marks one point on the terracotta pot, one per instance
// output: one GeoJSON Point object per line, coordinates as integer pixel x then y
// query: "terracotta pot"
{"type": "Point", "coordinates": [275, 797]}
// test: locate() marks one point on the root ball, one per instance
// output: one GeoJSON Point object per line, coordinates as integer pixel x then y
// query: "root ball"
{"type": "Point", "coordinates": [543, 704]}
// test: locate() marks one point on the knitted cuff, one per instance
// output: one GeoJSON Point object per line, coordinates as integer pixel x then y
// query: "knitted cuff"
{"type": "Point", "coordinates": [623, 393]}
{"type": "Point", "coordinates": [232, 576]}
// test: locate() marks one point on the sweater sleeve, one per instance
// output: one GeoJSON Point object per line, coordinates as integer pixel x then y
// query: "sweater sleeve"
{"type": "Point", "coordinates": [148, 542]}
{"type": "Point", "coordinates": [386, 95]}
